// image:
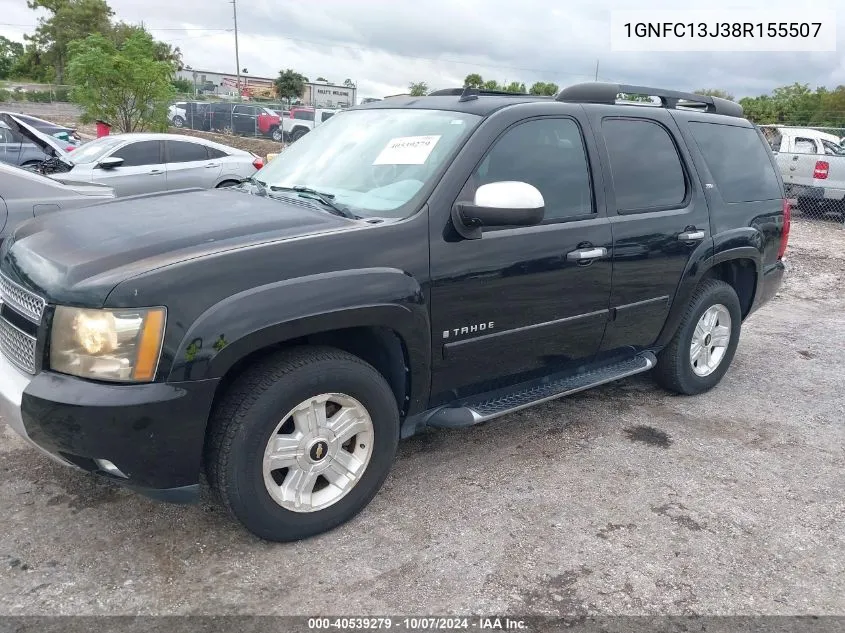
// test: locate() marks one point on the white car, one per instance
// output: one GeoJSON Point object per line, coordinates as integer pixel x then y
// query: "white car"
{"type": "Point", "coordinates": [301, 119]}
{"type": "Point", "coordinates": [147, 163]}
{"type": "Point", "coordinates": [176, 114]}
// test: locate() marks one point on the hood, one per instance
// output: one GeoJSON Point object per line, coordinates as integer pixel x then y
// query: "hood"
{"type": "Point", "coordinates": [48, 144]}
{"type": "Point", "coordinates": [79, 256]}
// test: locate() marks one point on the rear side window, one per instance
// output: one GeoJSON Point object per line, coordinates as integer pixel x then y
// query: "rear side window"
{"type": "Point", "coordinates": [326, 116]}
{"type": "Point", "coordinates": [185, 152]}
{"type": "Point", "coordinates": [141, 153]}
{"type": "Point", "coordinates": [305, 115]}
{"type": "Point", "coordinates": [738, 161]}
{"type": "Point", "coordinates": [644, 164]}
{"type": "Point", "coordinates": [832, 149]}
{"type": "Point", "coordinates": [805, 146]}
{"type": "Point", "coordinates": [213, 152]}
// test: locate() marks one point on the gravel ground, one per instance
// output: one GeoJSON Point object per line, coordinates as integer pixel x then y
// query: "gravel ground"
{"type": "Point", "coordinates": [621, 500]}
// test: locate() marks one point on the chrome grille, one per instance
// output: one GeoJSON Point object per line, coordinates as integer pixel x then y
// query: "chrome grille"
{"type": "Point", "coordinates": [28, 304]}
{"type": "Point", "coordinates": [17, 346]}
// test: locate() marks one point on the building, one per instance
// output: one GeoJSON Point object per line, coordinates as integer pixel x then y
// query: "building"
{"type": "Point", "coordinates": [223, 84]}
{"type": "Point", "coordinates": [320, 95]}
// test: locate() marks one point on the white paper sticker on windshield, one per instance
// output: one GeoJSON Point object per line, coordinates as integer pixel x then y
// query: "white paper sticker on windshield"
{"type": "Point", "coordinates": [407, 150]}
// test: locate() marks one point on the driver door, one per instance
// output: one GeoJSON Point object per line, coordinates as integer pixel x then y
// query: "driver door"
{"type": "Point", "coordinates": [516, 303]}
{"type": "Point", "coordinates": [143, 169]}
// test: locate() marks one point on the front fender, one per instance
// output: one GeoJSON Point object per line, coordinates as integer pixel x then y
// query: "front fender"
{"type": "Point", "coordinates": [285, 310]}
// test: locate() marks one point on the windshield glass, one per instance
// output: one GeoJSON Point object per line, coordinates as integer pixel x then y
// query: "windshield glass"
{"type": "Point", "coordinates": [94, 150]}
{"type": "Point", "coordinates": [372, 161]}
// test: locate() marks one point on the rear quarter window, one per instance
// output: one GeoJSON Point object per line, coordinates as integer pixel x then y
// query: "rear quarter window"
{"type": "Point", "coordinates": [738, 161]}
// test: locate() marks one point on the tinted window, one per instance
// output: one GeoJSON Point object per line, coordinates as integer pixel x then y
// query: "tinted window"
{"type": "Point", "coordinates": [141, 153]}
{"type": "Point", "coordinates": [185, 152]}
{"type": "Point", "coordinates": [242, 109]}
{"type": "Point", "coordinates": [304, 115]}
{"type": "Point", "coordinates": [546, 153]}
{"type": "Point", "coordinates": [738, 161]}
{"type": "Point", "coordinates": [215, 153]}
{"type": "Point", "coordinates": [644, 165]}
{"type": "Point", "coordinates": [327, 115]}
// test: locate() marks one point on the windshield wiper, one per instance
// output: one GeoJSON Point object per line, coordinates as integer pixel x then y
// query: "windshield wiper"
{"type": "Point", "coordinates": [325, 198]}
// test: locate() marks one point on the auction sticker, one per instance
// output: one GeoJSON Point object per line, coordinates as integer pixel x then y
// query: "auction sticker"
{"type": "Point", "coordinates": [407, 150]}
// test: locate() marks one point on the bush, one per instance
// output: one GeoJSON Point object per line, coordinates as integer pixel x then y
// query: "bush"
{"type": "Point", "coordinates": [5, 95]}
{"type": "Point", "coordinates": [39, 96]}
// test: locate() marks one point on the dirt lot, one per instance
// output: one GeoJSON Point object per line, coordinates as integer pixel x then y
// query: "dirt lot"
{"type": "Point", "coordinates": [622, 500]}
{"type": "Point", "coordinates": [68, 114]}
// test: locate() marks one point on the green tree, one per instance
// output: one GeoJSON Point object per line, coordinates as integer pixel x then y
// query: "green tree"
{"type": "Point", "coordinates": [69, 20]}
{"type": "Point", "coordinates": [183, 85]}
{"type": "Point", "coordinates": [126, 86]}
{"type": "Point", "coordinates": [322, 79]}
{"type": "Point", "coordinates": [10, 54]}
{"type": "Point", "coordinates": [492, 84]}
{"type": "Point", "coordinates": [473, 80]}
{"type": "Point", "coordinates": [348, 83]}
{"type": "Point", "coordinates": [715, 92]}
{"type": "Point", "coordinates": [164, 52]}
{"type": "Point", "coordinates": [418, 88]}
{"type": "Point", "coordinates": [543, 88]}
{"type": "Point", "coordinates": [514, 86]}
{"type": "Point", "coordinates": [290, 84]}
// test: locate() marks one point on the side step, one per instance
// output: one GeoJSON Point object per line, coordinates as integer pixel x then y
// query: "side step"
{"type": "Point", "coordinates": [498, 403]}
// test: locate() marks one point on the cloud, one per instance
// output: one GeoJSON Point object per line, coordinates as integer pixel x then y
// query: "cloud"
{"type": "Point", "coordinates": [383, 45]}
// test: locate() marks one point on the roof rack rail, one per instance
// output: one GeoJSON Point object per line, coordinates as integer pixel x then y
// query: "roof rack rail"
{"type": "Point", "coordinates": [600, 92]}
{"type": "Point", "coordinates": [469, 92]}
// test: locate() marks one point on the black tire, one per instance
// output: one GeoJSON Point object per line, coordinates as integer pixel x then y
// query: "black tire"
{"type": "Point", "coordinates": [298, 134]}
{"type": "Point", "coordinates": [178, 121]}
{"type": "Point", "coordinates": [253, 405]}
{"type": "Point", "coordinates": [276, 134]}
{"type": "Point", "coordinates": [674, 370]}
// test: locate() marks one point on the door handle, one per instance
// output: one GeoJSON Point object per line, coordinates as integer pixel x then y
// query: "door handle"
{"type": "Point", "coordinates": [586, 254]}
{"type": "Point", "coordinates": [691, 236]}
{"type": "Point", "coordinates": [210, 165]}
{"type": "Point", "coordinates": [156, 172]}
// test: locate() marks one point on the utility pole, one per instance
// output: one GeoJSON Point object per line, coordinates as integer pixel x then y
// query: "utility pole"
{"type": "Point", "coordinates": [237, 56]}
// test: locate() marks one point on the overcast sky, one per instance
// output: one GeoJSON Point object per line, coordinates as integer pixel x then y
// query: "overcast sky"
{"type": "Point", "coordinates": [384, 44]}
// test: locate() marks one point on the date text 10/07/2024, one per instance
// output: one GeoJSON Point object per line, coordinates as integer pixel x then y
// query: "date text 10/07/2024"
{"type": "Point", "coordinates": [418, 624]}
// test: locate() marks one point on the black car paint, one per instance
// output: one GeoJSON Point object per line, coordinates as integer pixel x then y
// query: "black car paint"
{"type": "Point", "coordinates": [239, 273]}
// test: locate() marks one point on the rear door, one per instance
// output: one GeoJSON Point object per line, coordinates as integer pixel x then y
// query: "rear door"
{"type": "Point", "coordinates": [658, 215]}
{"type": "Point", "coordinates": [189, 165]}
{"type": "Point", "coordinates": [245, 120]}
{"type": "Point", "coordinates": [143, 169]}
{"type": "Point", "coordinates": [804, 153]}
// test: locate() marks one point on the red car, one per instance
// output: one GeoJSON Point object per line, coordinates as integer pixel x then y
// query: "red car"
{"type": "Point", "coordinates": [245, 119]}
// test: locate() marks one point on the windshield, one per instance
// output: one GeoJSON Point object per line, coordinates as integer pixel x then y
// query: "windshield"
{"type": "Point", "coordinates": [372, 161]}
{"type": "Point", "coordinates": [94, 150]}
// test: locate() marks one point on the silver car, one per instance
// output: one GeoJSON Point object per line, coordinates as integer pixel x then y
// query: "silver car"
{"type": "Point", "coordinates": [25, 194]}
{"type": "Point", "coordinates": [148, 163]}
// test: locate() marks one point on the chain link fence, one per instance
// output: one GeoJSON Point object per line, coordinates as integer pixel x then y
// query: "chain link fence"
{"type": "Point", "coordinates": [812, 164]}
{"type": "Point", "coordinates": [256, 120]}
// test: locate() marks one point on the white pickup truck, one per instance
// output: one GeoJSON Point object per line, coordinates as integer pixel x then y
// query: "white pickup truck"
{"type": "Point", "coordinates": [302, 120]}
{"type": "Point", "coordinates": [812, 164]}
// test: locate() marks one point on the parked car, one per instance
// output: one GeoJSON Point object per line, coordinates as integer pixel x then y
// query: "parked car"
{"type": "Point", "coordinates": [302, 120]}
{"type": "Point", "coordinates": [812, 164]}
{"type": "Point", "coordinates": [433, 261]}
{"type": "Point", "coordinates": [65, 134]}
{"type": "Point", "coordinates": [176, 114]}
{"type": "Point", "coordinates": [242, 118]}
{"type": "Point", "coordinates": [146, 163]}
{"type": "Point", "coordinates": [25, 195]}
{"type": "Point", "coordinates": [17, 150]}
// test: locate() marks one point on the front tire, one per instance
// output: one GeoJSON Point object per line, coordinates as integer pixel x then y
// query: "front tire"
{"type": "Point", "coordinates": [302, 442]}
{"type": "Point", "coordinates": [178, 121]}
{"type": "Point", "coordinates": [276, 134]}
{"type": "Point", "coordinates": [700, 353]}
{"type": "Point", "coordinates": [298, 134]}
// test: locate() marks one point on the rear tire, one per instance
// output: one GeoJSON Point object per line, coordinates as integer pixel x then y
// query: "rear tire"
{"type": "Point", "coordinates": [178, 121]}
{"type": "Point", "coordinates": [298, 134]}
{"type": "Point", "coordinates": [264, 410]}
{"type": "Point", "coordinates": [695, 359]}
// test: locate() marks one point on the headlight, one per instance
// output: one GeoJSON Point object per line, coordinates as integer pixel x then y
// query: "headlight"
{"type": "Point", "coordinates": [119, 345]}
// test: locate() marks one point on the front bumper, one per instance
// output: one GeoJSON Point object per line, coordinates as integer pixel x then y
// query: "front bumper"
{"type": "Point", "coordinates": [153, 433]}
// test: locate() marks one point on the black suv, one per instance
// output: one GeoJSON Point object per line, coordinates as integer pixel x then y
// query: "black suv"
{"type": "Point", "coordinates": [421, 262]}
